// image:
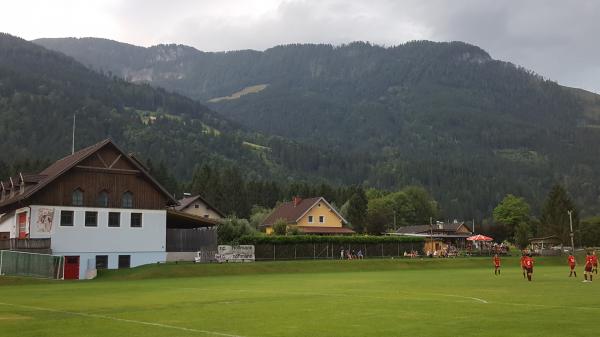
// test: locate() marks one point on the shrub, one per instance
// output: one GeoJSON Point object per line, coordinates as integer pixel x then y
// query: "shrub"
{"type": "Point", "coordinates": [232, 229]}
{"type": "Point", "coordinates": [280, 227]}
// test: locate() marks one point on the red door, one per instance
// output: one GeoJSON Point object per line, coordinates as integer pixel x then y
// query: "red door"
{"type": "Point", "coordinates": [22, 225]}
{"type": "Point", "coordinates": [71, 268]}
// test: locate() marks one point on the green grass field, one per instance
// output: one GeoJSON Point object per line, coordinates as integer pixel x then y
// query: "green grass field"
{"type": "Point", "coordinates": [460, 297]}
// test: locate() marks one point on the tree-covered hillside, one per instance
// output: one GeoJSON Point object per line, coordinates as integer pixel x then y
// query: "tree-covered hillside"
{"type": "Point", "coordinates": [443, 115]}
{"type": "Point", "coordinates": [41, 90]}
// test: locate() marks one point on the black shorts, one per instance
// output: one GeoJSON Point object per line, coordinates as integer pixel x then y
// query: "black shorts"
{"type": "Point", "coordinates": [529, 270]}
{"type": "Point", "coordinates": [588, 268]}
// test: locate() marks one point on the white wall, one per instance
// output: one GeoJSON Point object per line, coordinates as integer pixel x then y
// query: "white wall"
{"type": "Point", "coordinates": [201, 211]}
{"type": "Point", "coordinates": [145, 244]}
{"type": "Point", "coordinates": [8, 222]}
{"type": "Point", "coordinates": [151, 237]}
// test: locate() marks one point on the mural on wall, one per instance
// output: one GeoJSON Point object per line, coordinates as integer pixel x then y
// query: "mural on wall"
{"type": "Point", "coordinates": [45, 217]}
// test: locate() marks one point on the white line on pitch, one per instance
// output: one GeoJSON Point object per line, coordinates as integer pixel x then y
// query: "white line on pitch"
{"type": "Point", "coordinates": [467, 297]}
{"type": "Point", "coordinates": [206, 332]}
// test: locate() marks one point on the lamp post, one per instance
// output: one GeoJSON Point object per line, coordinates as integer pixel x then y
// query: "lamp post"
{"type": "Point", "coordinates": [571, 226]}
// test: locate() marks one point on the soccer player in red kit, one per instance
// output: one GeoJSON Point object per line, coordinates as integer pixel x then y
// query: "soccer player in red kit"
{"type": "Point", "coordinates": [523, 258]}
{"type": "Point", "coordinates": [572, 264]}
{"type": "Point", "coordinates": [496, 264]}
{"type": "Point", "coordinates": [589, 265]}
{"type": "Point", "coordinates": [529, 266]}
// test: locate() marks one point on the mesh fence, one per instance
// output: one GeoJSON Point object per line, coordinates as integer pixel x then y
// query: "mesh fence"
{"type": "Point", "coordinates": [332, 251]}
{"type": "Point", "coordinates": [30, 264]}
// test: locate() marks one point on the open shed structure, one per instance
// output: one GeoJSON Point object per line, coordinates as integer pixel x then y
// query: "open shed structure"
{"type": "Point", "coordinates": [548, 245]}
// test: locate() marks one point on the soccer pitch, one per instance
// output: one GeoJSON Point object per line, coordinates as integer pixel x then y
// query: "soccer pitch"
{"type": "Point", "coordinates": [308, 298]}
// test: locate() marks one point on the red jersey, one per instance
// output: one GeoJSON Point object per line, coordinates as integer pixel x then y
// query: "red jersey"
{"type": "Point", "coordinates": [571, 260]}
{"type": "Point", "coordinates": [589, 261]}
{"type": "Point", "coordinates": [523, 258]}
{"type": "Point", "coordinates": [497, 261]}
{"type": "Point", "coordinates": [528, 262]}
{"type": "Point", "coordinates": [594, 260]}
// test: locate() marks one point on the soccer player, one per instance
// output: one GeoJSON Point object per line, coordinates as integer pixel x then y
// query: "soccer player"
{"type": "Point", "coordinates": [496, 264]}
{"type": "Point", "coordinates": [529, 266]}
{"type": "Point", "coordinates": [589, 265]}
{"type": "Point", "coordinates": [572, 264]}
{"type": "Point", "coordinates": [523, 258]}
{"type": "Point", "coordinates": [595, 262]}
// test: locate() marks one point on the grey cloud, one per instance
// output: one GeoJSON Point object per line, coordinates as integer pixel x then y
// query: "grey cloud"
{"type": "Point", "coordinates": [557, 39]}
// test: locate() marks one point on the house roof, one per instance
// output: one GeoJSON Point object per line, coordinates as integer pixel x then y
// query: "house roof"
{"type": "Point", "coordinates": [423, 229]}
{"type": "Point", "coordinates": [291, 213]}
{"type": "Point", "coordinates": [325, 230]}
{"type": "Point", "coordinates": [185, 202]}
{"type": "Point", "coordinates": [61, 166]}
{"type": "Point", "coordinates": [178, 219]}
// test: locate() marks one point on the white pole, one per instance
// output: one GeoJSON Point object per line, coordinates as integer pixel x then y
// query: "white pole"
{"type": "Point", "coordinates": [73, 143]}
{"type": "Point", "coordinates": [571, 234]}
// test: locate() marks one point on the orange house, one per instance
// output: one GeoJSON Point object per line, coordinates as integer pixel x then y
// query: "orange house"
{"type": "Point", "coordinates": [311, 216]}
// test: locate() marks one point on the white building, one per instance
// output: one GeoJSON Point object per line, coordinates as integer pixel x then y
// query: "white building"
{"type": "Point", "coordinates": [99, 208]}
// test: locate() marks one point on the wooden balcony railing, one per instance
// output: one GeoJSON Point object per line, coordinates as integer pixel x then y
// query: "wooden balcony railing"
{"type": "Point", "coordinates": [16, 244]}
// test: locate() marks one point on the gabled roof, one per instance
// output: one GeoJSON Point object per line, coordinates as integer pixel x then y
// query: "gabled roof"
{"type": "Point", "coordinates": [63, 165]}
{"type": "Point", "coordinates": [292, 213]}
{"type": "Point", "coordinates": [185, 202]}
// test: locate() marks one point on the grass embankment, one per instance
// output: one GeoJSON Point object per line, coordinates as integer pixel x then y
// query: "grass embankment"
{"type": "Point", "coordinates": [188, 269]}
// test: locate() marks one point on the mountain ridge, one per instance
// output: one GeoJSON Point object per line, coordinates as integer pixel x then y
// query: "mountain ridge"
{"type": "Point", "coordinates": [444, 115]}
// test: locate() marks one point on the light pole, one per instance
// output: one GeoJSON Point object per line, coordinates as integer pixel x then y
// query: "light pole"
{"type": "Point", "coordinates": [571, 226]}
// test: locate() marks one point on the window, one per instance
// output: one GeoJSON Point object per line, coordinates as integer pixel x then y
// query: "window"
{"type": "Point", "coordinates": [91, 219]}
{"type": "Point", "coordinates": [196, 206]}
{"type": "Point", "coordinates": [77, 197]}
{"type": "Point", "coordinates": [101, 261]}
{"type": "Point", "coordinates": [124, 261]}
{"type": "Point", "coordinates": [66, 218]}
{"type": "Point", "coordinates": [136, 219]}
{"type": "Point", "coordinates": [206, 216]}
{"type": "Point", "coordinates": [310, 219]}
{"type": "Point", "coordinates": [127, 200]}
{"type": "Point", "coordinates": [321, 219]}
{"type": "Point", "coordinates": [102, 200]}
{"type": "Point", "coordinates": [114, 219]}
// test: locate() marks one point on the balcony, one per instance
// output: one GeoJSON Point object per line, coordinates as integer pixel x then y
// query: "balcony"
{"type": "Point", "coordinates": [33, 245]}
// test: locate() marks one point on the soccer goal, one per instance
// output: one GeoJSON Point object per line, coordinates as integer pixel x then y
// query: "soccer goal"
{"type": "Point", "coordinates": [31, 264]}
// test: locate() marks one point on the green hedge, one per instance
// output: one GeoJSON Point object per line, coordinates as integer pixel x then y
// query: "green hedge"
{"type": "Point", "coordinates": [298, 239]}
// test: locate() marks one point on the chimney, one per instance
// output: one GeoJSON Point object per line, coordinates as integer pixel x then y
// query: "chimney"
{"type": "Point", "coordinates": [297, 200]}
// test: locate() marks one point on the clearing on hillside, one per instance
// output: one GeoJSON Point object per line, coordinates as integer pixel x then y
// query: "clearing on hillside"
{"type": "Point", "coordinates": [253, 89]}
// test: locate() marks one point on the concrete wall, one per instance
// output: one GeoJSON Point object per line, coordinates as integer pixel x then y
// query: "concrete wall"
{"type": "Point", "coordinates": [87, 260]}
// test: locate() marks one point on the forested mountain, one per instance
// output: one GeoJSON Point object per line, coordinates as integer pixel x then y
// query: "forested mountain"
{"type": "Point", "coordinates": [41, 90]}
{"type": "Point", "coordinates": [443, 115]}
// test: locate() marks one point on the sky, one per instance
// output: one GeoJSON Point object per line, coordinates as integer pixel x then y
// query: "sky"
{"type": "Point", "coordinates": [557, 39]}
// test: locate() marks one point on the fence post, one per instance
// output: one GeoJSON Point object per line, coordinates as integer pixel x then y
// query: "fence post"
{"type": "Point", "coordinates": [398, 249]}
{"type": "Point", "coordinates": [273, 251]}
{"type": "Point", "coordinates": [295, 246]}
{"type": "Point", "coordinates": [314, 251]}
{"type": "Point", "coordinates": [382, 249]}
{"type": "Point", "coordinates": [1, 256]}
